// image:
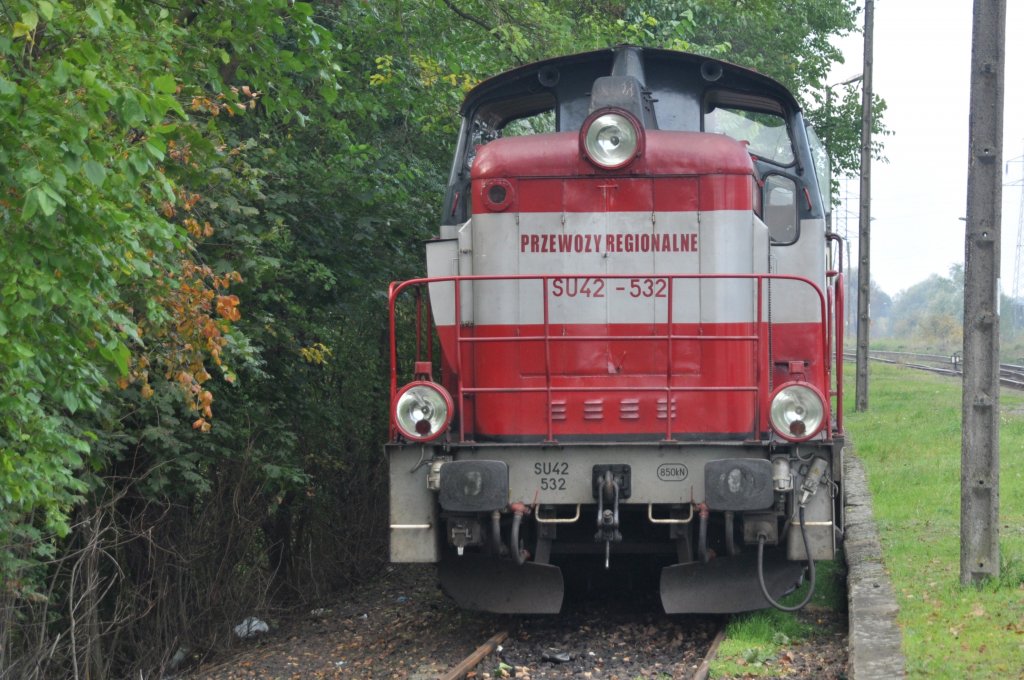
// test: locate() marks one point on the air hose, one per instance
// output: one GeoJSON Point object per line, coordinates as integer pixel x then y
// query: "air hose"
{"type": "Point", "coordinates": [810, 567]}
{"type": "Point", "coordinates": [518, 554]}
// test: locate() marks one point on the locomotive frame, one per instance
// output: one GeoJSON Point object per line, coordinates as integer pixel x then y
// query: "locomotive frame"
{"type": "Point", "coordinates": [628, 343]}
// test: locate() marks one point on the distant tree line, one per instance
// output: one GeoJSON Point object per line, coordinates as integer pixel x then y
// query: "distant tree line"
{"type": "Point", "coordinates": [929, 316]}
{"type": "Point", "coordinates": [202, 205]}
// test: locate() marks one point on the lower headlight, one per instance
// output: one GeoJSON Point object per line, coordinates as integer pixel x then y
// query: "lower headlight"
{"type": "Point", "coordinates": [797, 411]}
{"type": "Point", "coordinates": [422, 410]}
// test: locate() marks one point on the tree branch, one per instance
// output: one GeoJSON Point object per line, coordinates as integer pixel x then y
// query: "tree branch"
{"type": "Point", "coordinates": [469, 17]}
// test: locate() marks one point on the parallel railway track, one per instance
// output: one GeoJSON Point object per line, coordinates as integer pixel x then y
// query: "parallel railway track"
{"type": "Point", "coordinates": [1010, 375]}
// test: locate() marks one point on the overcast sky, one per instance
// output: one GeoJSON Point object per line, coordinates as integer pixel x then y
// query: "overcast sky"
{"type": "Point", "coordinates": [922, 58]}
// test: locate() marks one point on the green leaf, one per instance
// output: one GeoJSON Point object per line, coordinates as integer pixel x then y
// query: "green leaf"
{"type": "Point", "coordinates": [23, 351]}
{"type": "Point", "coordinates": [156, 148]}
{"type": "Point", "coordinates": [329, 93]}
{"type": "Point", "coordinates": [60, 180]}
{"type": "Point", "coordinates": [60, 73]}
{"type": "Point", "coordinates": [161, 104]}
{"type": "Point", "coordinates": [46, 9]}
{"type": "Point", "coordinates": [30, 175]}
{"type": "Point", "coordinates": [165, 84]}
{"type": "Point", "coordinates": [30, 206]}
{"type": "Point", "coordinates": [30, 19]}
{"type": "Point", "coordinates": [140, 163]}
{"type": "Point", "coordinates": [95, 173]}
{"type": "Point", "coordinates": [121, 356]}
{"type": "Point", "coordinates": [224, 56]}
{"type": "Point", "coordinates": [73, 160]}
{"type": "Point", "coordinates": [45, 201]}
{"type": "Point", "coordinates": [129, 108]}
{"type": "Point", "coordinates": [118, 354]}
{"type": "Point", "coordinates": [52, 194]}
{"type": "Point", "coordinates": [166, 186]}
{"type": "Point", "coordinates": [70, 400]}
{"type": "Point", "coordinates": [95, 15]}
{"type": "Point", "coordinates": [7, 87]}
{"type": "Point", "coordinates": [22, 310]}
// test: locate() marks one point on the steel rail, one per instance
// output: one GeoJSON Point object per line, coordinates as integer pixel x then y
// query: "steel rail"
{"type": "Point", "coordinates": [705, 665]}
{"type": "Point", "coordinates": [1010, 375]}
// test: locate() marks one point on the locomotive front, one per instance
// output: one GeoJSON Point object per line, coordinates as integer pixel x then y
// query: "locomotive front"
{"type": "Point", "coordinates": [635, 330]}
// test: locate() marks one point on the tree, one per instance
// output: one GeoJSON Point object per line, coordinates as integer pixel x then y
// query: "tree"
{"type": "Point", "coordinates": [931, 311]}
{"type": "Point", "coordinates": [882, 314]}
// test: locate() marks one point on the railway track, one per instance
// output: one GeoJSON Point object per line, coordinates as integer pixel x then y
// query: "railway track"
{"type": "Point", "coordinates": [624, 635]}
{"type": "Point", "coordinates": [401, 626]}
{"type": "Point", "coordinates": [1010, 375]}
{"type": "Point", "coordinates": [688, 654]}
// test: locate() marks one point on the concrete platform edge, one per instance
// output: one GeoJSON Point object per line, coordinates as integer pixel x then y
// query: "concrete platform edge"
{"type": "Point", "coordinates": [875, 639]}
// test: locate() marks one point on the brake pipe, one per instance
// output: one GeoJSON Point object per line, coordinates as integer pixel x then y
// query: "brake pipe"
{"type": "Point", "coordinates": [496, 532]}
{"type": "Point", "coordinates": [702, 540]}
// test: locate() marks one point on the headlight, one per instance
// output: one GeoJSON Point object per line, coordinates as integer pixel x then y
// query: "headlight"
{"type": "Point", "coordinates": [797, 411]}
{"type": "Point", "coordinates": [611, 139]}
{"type": "Point", "coordinates": [422, 410]}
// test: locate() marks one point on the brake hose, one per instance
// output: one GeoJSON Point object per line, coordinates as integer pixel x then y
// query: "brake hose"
{"type": "Point", "coordinates": [761, 538]}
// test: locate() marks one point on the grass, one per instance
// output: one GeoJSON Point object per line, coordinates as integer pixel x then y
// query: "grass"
{"type": "Point", "coordinates": [909, 441]}
{"type": "Point", "coordinates": [754, 641]}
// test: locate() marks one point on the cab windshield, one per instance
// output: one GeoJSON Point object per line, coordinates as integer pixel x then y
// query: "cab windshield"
{"type": "Point", "coordinates": [766, 134]}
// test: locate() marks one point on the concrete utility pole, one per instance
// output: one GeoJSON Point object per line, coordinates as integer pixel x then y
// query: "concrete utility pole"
{"type": "Point", "coordinates": [979, 459]}
{"type": "Point", "coordinates": [864, 244]}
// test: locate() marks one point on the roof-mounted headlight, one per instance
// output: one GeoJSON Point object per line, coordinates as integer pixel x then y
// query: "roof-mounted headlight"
{"type": "Point", "coordinates": [422, 411]}
{"type": "Point", "coordinates": [611, 138]}
{"type": "Point", "coordinates": [797, 411]}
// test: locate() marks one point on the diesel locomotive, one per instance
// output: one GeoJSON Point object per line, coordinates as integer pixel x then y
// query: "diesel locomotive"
{"type": "Point", "coordinates": [628, 342]}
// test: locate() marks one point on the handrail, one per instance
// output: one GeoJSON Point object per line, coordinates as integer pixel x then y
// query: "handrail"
{"type": "Point", "coordinates": [458, 359]}
{"type": "Point", "coordinates": [826, 314]}
{"type": "Point", "coordinates": [840, 325]}
{"type": "Point", "coordinates": [547, 361]}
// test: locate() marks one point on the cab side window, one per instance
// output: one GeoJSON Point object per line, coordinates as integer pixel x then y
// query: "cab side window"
{"type": "Point", "coordinates": [780, 212]}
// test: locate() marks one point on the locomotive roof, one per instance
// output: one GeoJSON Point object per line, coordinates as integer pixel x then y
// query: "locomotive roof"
{"type": "Point", "coordinates": [667, 74]}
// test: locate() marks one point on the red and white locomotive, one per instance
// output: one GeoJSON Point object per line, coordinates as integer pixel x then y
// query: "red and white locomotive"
{"type": "Point", "coordinates": [636, 337]}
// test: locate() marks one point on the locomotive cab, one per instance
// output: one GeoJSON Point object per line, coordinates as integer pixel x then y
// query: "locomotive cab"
{"type": "Point", "coordinates": [626, 341]}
